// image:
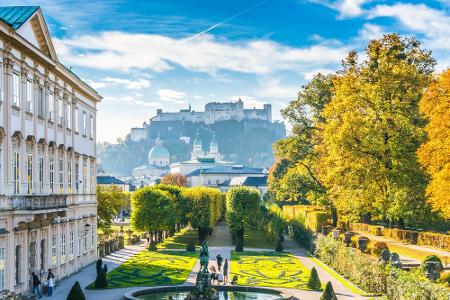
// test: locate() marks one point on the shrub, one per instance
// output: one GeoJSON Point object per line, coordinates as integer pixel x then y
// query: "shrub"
{"type": "Point", "coordinates": [328, 293]}
{"type": "Point", "coordinates": [76, 293]}
{"type": "Point", "coordinates": [445, 279]}
{"type": "Point", "coordinates": [314, 281]}
{"type": "Point", "coordinates": [279, 246]}
{"type": "Point", "coordinates": [433, 258]}
{"type": "Point", "coordinates": [378, 247]}
{"type": "Point", "coordinates": [190, 247]}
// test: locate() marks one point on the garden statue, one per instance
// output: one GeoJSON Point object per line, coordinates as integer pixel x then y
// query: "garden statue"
{"type": "Point", "coordinates": [204, 257]}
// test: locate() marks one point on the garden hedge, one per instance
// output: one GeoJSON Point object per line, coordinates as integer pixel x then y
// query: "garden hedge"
{"type": "Point", "coordinates": [312, 216]}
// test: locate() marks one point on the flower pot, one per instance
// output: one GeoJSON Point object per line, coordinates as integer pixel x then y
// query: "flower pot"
{"type": "Point", "coordinates": [335, 233]}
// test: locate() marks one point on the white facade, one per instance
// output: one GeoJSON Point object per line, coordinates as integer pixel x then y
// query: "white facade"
{"type": "Point", "coordinates": [48, 210]}
{"type": "Point", "coordinates": [186, 167]}
{"type": "Point", "coordinates": [137, 134]}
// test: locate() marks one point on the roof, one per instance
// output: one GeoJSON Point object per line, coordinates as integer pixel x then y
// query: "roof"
{"type": "Point", "coordinates": [107, 179]}
{"type": "Point", "coordinates": [157, 152]}
{"type": "Point", "coordinates": [151, 166]}
{"type": "Point", "coordinates": [246, 181]}
{"type": "Point", "coordinates": [15, 16]}
{"type": "Point", "coordinates": [233, 169]}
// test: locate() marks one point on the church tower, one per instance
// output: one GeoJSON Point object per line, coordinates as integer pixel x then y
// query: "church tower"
{"type": "Point", "coordinates": [197, 150]}
{"type": "Point", "coordinates": [214, 149]}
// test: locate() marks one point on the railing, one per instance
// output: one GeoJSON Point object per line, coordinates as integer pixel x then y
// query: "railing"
{"type": "Point", "coordinates": [34, 202]}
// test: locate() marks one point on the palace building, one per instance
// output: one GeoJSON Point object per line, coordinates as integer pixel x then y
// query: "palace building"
{"type": "Point", "coordinates": [48, 207]}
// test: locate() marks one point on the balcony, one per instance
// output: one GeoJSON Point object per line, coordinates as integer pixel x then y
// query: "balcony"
{"type": "Point", "coordinates": [33, 202]}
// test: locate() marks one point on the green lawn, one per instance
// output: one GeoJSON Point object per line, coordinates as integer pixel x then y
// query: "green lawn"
{"type": "Point", "coordinates": [257, 239]}
{"type": "Point", "coordinates": [180, 239]}
{"type": "Point", "coordinates": [269, 269]}
{"type": "Point", "coordinates": [152, 269]}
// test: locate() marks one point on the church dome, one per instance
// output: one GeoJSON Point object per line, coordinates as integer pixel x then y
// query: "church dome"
{"type": "Point", "coordinates": [158, 151]}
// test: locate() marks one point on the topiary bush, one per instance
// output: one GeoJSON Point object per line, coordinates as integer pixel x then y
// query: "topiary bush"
{"type": "Point", "coordinates": [378, 247]}
{"type": "Point", "coordinates": [76, 293]}
{"type": "Point", "coordinates": [190, 247]}
{"type": "Point", "coordinates": [328, 293]}
{"type": "Point", "coordinates": [314, 281]}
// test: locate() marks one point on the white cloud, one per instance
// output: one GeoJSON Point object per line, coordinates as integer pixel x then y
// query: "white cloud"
{"type": "Point", "coordinates": [124, 51]}
{"type": "Point", "coordinates": [434, 24]}
{"type": "Point", "coordinates": [371, 32]}
{"type": "Point", "coordinates": [129, 84]}
{"type": "Point", "coordinates": [168, 95]}
{"type": "Point", "coordinates": [272, 88]}
{"type": "Point", "coordinates": [346, 8]}
{"type": "Point", "coordinates": [95, 84]}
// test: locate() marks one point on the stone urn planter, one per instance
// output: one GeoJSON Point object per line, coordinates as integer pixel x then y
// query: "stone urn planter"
{"type": "Point", "coordinates": [348, 238]}
{"type": "Point", "coordinates": [362, 243]}
{"type": "Point", "coordinates": [379, 230]}
{"type": "Point", "coordinates": [335, 234]}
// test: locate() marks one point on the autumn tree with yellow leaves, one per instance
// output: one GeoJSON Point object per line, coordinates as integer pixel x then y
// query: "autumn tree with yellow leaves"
{"type": "Point", "coordinates": [434, 154]}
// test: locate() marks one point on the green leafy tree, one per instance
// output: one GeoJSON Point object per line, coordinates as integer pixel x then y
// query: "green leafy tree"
{"type": "Point", "coordinates": [372, 130]}
{"type": "Point", "coordinates": [242, 210]}
{"type": "Point", "coordinates": [205, 208]}
{"type": "Point", "coordinates": [152, 211]}
{"type": "Point", "coordinates": [109, 202]}
{"type": "Point", "coordinates": [181, 205]}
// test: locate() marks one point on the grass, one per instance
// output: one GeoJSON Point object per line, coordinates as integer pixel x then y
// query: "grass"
{"type": "Point", "coordinates": [149, 268]}
{"type": "Point", "coordinates": [180, 239]}
{"type": "Point", "coordinates": [257, 239]}
{"type": "Point", "coordinates": [269, 269]}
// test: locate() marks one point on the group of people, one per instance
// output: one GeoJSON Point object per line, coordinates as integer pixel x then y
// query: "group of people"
{"type": "Point", "coordinates": [220, 274]}
{"type": "Point", "coordinates": [37, 284]}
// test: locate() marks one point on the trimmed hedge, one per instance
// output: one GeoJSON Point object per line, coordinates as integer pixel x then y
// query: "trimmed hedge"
{"type": "Point", "coordinates": [438, 240]}
{"type": "Point", "coordinates": [368, 274]}
{"type": "Point", "coordinates": [312, 216]}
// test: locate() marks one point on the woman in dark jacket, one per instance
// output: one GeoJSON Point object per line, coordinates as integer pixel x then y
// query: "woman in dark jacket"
{"type": "Point", "coordinates": [225, 271]}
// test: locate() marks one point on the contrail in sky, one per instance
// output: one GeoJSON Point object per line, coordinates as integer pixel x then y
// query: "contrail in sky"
{"type": "Point", "coordinates": [225, 21]}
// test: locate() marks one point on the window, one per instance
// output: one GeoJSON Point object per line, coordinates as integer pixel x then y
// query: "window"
{"type": "Point", "coordinates": [41, 173]}
{"type": "Point", "coordinates": [77, 176]}
{"type": "Point", "coordinates": [52, 173]}
{"type": "Point", "coordinates": [60, 112]}
{"type": "Point", "coordinates": [69, 115]}
{"type": "Point", "coordinates": [1, 169]}
{"type": "Point", "coordinates": [72, 245]}
{"type": "Point", "coordinates": [1, 84]}
{"type": "Point", "coordinates": [30, 173]}
{"type": "Point", "coordinates": [41, 103]}
{"type": "Point", "coordinates": [76, 119]}
{"type": "Point", "coordinates": [2, 268]}
{"type": "Point", "coordinates": [91, 132]}
{"type": "Point", "coordinates": [29, 95]}
{"type": "Point", "coordinates": [86, 233]}
{"type": "Point", "coordinates": [79, 242]}
{"type": "Point", "coordinates": [18, 269]}
{"type": "Point", "coordinates": [16, 90]}
{"type": "Point", "coordinates": [84, 175]}
{"type": "Point", "coordinates": [51, 106]}
{"type": "Point", "coordinates": [92, 238]}
{"type": "Point", "coordinates": [54, 250]}
{"type": "Point", "coordinates": [69, 174]}
{"type": "Point", "coordinates": [84, 124]}
{"type": "Point", "coordinates": [63, 247]}
{"type": "Point", "coordinates": [61, 175]}
{"type": "Point", "coordinates": [91, 177]}
{"type": "Point", "coordinates": [16, 172]}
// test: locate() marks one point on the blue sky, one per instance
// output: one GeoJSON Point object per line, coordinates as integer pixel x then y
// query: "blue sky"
{"type": "Point", "coordinates": [144, 55]}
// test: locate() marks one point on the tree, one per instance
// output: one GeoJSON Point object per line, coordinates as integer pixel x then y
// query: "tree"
{"type": "Point", "coordinates": [434, 154]}
{"type": "Point", "coordinates": [243, 209]}
{"type": "Point", "coordinates": [181, 205]}
{"type": "Point", "coordinates": [372, 130]}
{"type": "Point", "coordinates": [205, 208]}
{"type": "Point", "coordinates": [328, 293]}
{"type": "Point", "coordinates": [109, 201]}
{"type": "Point", "coordinates": [174, 179]}
{"type": "Point", "coordinates": [76, 293]}
{"type": "Point", "coordinates": [314, 281]}
{"type": "Point", "coordinates": [152, 211]}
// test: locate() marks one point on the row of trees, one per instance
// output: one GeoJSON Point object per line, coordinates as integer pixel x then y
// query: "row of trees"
{"type": "Point", "coordinates": [163, 209]}
{"type": "Point", "coordinates": [372, 139]}
{"type": "Point", "coordinates": [110, 200]}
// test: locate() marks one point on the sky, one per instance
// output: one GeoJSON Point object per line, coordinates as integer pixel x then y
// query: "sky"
{"type": "Point", "coordinates": [169, 54]}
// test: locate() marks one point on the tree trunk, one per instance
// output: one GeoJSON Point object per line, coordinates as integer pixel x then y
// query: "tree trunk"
{"type": "Point", "coordinates": [334, 216]}
{"type": "Point", "coordinates": [401, 223]}
{"type": "Point", "coordinates": [239, 240]}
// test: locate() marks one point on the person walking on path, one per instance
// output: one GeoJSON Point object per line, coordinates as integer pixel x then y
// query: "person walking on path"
{"type": "Point", "coordinates": [225, 271]}
{"type": "Point", "coordinates": [50, 283]}
{"type": "Point", "coordinates": [36, 284]}
{"type": "Point", "coordinates": [219, 261]}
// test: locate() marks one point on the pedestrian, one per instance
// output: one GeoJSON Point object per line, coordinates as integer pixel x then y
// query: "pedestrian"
{"type": "Point", "coordinates": [225, 271]}
{"type": "Point", "coordinates": [219, 261]}
{"type": "Point", "coordinates": [213, 274]}
{"type": "Point", "coordinates": [50, 283]}
{"type": "Point", "coordinates": [36, 284]}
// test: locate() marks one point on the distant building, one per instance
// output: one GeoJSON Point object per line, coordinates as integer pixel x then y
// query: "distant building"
{"type": "Point", "coordinates": [216, 111]}
{"type": "Point", "coordinates": [219, 175]}
{"type": "Point", "coordinates": [108, 180]}
{"type": "Point", "coordinates": [257, 182]}
{"type": "Point", "coordinates": [157, 167]}
{"type": "Point", "coordinates": [138, 133]}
